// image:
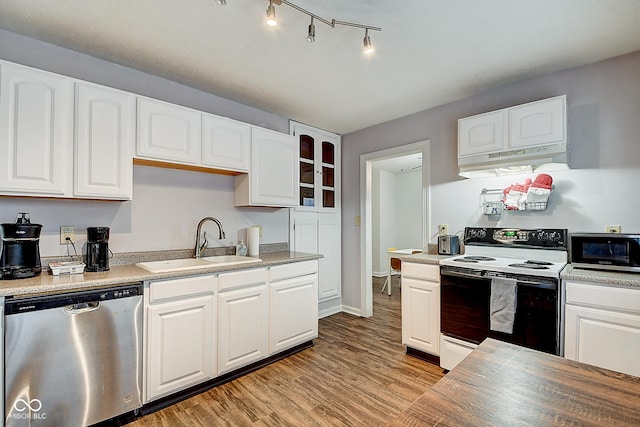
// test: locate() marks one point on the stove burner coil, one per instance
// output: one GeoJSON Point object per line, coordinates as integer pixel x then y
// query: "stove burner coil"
{"type": "Point", "coordinates": [474, 258]}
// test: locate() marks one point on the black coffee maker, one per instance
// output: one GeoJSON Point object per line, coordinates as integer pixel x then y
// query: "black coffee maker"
{"type": "Point", "coordinates": [97, 255]}
{"type": "Point", "coordinates": [20, 256]}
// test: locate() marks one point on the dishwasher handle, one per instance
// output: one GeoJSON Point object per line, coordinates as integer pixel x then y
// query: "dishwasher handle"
{"type": "Point", "coordinates": [83, 307]}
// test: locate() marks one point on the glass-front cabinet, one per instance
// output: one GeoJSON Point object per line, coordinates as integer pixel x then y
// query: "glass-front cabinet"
{"type": "Point", "coordinates": [319, 168]}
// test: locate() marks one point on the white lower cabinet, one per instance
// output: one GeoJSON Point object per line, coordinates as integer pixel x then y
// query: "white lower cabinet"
{"type": "Point", "coordinates": [293, 294]}
{"type": "Point", "coordinates": [243, 318]}
{"type": "Point", "coordinates": [180, 334]}
{"type": "Point", "coordinates": [421, 307]}
{"type": "Point", "coordinates": [602, 326]}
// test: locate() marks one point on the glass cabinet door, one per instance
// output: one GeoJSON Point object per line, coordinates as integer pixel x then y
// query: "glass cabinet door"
{"type": "Point", "coordinates": [319, 169]}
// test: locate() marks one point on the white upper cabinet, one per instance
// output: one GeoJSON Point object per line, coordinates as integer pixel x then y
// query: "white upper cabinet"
{"type": "Point", "coordinates": [481, 134]}
{"type": "Point", "coordinates": [105, 137]}
{"type": "Point", "coordinates": [528, 125]}
{"type": "Point", "coordinates": [319, 178]}
{"type": "Point", "coordinates": [225, 143]}
{"type": "Point", "coordinates": [36, 138]}
{"type": "Point", "coordinates": [537, 123]}
{"type": "Point", "coordinates": [273, 178]}
{"type": "Point", "coordinates": [168, 132]}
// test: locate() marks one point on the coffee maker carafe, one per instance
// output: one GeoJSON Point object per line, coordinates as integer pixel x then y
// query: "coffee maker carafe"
{"type": "Point", "coordinates": [20, 256]}
{"type": "Point", "coordinates": [97, 255]}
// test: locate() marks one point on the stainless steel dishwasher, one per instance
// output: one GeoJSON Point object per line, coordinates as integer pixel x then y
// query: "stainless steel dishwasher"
{"type": "Point", "coordinates": [73, 359]}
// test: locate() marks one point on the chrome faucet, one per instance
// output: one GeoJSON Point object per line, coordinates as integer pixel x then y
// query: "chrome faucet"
{"type": "Point", "coordinates": [202, 246]}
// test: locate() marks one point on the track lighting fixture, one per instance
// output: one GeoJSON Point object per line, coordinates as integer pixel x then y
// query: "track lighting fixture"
{"type": "Point", "coordinates": [271, 15]}
{"type": "Point", "coordinates": [368, 47]}
{"type": "Point", "coordinates": [311, 35]}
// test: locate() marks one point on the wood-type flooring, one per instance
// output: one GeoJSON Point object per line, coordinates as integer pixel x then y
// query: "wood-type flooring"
{"type": "Point", "coordinates": [357, 374]}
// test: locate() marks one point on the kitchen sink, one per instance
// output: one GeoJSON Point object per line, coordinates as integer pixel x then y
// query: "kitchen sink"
{"type": "Point", "coordinates": [195, 263]}
{"type": "Point", "coordinates": [229, 259]}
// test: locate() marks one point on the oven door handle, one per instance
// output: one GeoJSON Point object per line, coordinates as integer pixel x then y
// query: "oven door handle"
{"type": "Point", "coordinates": [537, 285]}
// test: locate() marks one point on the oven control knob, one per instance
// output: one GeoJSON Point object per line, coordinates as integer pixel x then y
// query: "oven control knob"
{"type": "Point", "coordinates": [554, 236]}
{"type": "Point", "coordinates": [482, 233]}
{"type": "Point", "coordinates": [543, 236]}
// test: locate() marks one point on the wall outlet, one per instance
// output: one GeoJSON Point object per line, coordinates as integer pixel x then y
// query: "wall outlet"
{"type": "Point", "coordinates": [259, 232]}
{"type": "Point", "coordinates": [612, 229]}
{"type": "Point", "coordinates": [443, 229]}
{"type": "Point", "coordinates": [358, 221]}
{"type": "Point", "coordinates": [67, 235]}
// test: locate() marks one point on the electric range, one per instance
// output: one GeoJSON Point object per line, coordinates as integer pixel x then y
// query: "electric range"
{"type": "Point", "coordinates": [474, 299]}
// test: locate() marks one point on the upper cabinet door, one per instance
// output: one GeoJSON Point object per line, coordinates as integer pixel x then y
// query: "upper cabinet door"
{"type": "Point", "coordinates": [319, 179]}
{"type": "Point", "coordinates": [273, 179]}
{"type": "Point", "coordinates": [484, 133]}
{"type": "Point", "coordinates": [168, 132]}
{"type": "Point", "coordinates": [105, 136]}
{"type": "Point", "coordinates": [538, 123]}
{"type": "Point", "coordinates": [36, 119]}
{"type": "Point", "coordinates": [225, 143]}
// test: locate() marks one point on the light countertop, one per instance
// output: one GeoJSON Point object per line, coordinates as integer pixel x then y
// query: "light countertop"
{"type": "Point", "coordinates": [611, 278]}
{"type": "Point", "coordinates": [123, 274]}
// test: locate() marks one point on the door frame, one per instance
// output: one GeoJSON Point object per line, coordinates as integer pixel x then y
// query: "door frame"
{"type": "Point", "coordinates": [366, 238]}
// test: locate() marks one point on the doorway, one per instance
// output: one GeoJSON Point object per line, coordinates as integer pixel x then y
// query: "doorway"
{"type": "Point", "coordinates": [367, 169]}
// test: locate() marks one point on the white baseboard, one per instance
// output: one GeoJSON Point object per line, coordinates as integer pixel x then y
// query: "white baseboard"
{"type": "Point", "coordinates": [352, 310]}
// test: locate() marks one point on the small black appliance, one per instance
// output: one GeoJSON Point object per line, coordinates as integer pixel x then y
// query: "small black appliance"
{"type": "Point", "coordinates": [20, 256]}
{"type": "Point", "coordinates": [97, 255]}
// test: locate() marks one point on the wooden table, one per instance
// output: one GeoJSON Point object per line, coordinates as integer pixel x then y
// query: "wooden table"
{"type": "Point", "coordinates": [501, 384]}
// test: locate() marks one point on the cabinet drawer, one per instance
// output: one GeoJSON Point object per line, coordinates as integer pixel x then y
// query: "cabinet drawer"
{"type": "Point", "coordinates": [181, 287]}
{"type": "Point", "coordinates": [625, 299]}
{"type": "Point", "coordinates": [421, 271]}
{"type": "Point", "coordinates": [281, 272]}
{"type": "Point", "coordinates": [242, 278]}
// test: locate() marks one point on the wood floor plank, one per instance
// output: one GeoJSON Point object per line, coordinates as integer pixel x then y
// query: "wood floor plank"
{"type": "Point", "coordinates": [357, 374]}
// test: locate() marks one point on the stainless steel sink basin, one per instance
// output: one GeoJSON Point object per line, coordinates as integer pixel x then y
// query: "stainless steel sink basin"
{"type": "Point", "coordinates": [195, 263]}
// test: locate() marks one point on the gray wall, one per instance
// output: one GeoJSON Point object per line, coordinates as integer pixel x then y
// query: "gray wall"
{"type": "Point", "coordinates": [167, 204]}
{"type": "Point", "coordinates": [604, 153]}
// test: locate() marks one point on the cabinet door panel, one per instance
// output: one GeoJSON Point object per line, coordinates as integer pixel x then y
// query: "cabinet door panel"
{"type": "Point", "coordinates": [181, 343]}
{"type": "Point", "coordinates": [225, 143]}
{"type": "Point", "coordinates": [275, 168]}
{"type": "Point", "coordinates": [243, 327]}
{"type": "Point", "coordinates": [105, 136]}
{"type": "Point", "coordinates": [537, 123]}
{"type": "Point", "coordinates": [421, 315]}
{"type": "Point", "coordinates": [168, 132]}
{"type": "Point", "coordinates": [484, 133]}
{"type": "Point", "coordinates": [603, 338]}
{"type": "Point", "coordinates": [329, 265]}
{"type": "Point", "coordinates": [294, 312]}
{"type": "Point", "coordinates": [35, 129]}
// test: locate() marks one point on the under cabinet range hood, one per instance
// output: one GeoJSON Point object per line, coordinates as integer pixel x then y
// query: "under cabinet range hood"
{"type": "Point", "coordinates": [521, 139]}
{"type": "Point", "coordinates": [544, 158]}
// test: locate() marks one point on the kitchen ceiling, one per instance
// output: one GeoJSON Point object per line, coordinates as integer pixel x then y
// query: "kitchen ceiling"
{"type": "Point", "coordinates": [429, 52]}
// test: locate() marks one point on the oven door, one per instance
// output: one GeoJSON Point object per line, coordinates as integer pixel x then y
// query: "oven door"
{"type": "Point", "coordinates": [465, 301]}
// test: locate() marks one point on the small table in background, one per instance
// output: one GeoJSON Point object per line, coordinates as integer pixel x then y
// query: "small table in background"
{"type": "Point", "coordinates": [390, 254]}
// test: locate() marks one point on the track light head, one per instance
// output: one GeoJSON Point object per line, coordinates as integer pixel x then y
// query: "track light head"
{"type": "Point", "coordinates": [221, 2]}
{"type": "Point", "coordinates": [368, 47]}
{"type": "Point", "coordinates": [271, 15]}
{"type": "Point", "coordinates": [311, 35]}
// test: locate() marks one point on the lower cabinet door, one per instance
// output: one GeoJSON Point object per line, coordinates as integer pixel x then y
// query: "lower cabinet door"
{"type": "Point", "coordinates": [180, 345]}
{"type": "Point", "coordinates": [294, 312]}
{"type": "Point", "coordinates": [603, 338]}
{"type": "Point", "coordinates": [243, 316]}
{"type": "Point", "coordinates": [421, 315]}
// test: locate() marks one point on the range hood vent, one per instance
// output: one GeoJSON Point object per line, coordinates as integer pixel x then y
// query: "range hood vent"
{"type": "Point", "coordinates": [544, 158]}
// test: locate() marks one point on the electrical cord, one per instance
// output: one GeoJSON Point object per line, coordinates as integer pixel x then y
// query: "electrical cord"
{"type": "Point", "coordinates": [68, 239]}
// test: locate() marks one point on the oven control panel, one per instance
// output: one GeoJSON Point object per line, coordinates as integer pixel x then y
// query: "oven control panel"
{"type": "Point", "coordinates": [539, 237]}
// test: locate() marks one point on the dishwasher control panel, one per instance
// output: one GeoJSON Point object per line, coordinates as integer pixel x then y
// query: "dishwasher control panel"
{"type": "Point", "coordinates": [17, 305]}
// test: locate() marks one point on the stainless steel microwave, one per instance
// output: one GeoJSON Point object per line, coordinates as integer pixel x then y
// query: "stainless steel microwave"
{"type": "Point", "coordinates": [606, 251]}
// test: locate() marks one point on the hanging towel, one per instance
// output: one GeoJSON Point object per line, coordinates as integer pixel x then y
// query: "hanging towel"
{"type": "Point", "coordinates": [502, 310]}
